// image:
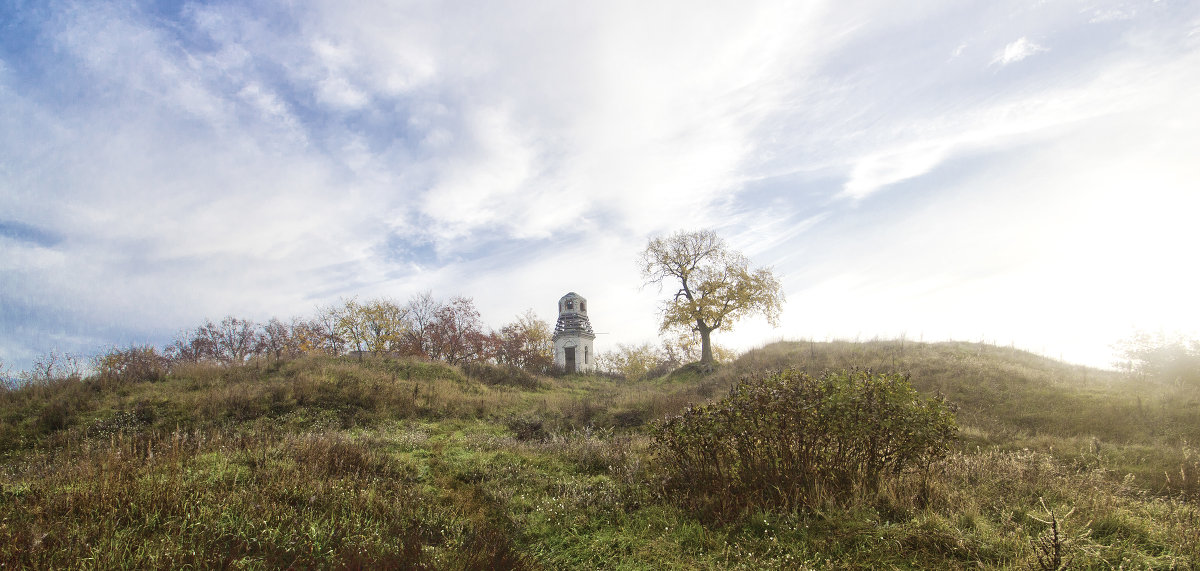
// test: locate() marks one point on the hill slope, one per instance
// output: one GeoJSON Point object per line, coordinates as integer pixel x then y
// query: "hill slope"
{"type": "Point", "coordinates": [1007, 393]}
{"type": "Point", "coordinates": [333, 462]}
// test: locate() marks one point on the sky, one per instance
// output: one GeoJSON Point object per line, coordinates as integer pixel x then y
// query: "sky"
{"type": "Point", "coordinates": [1021, 173]}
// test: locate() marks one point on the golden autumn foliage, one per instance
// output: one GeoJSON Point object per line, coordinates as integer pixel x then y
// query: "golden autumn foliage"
{"type": "Point", "coordinates": [717, 287]}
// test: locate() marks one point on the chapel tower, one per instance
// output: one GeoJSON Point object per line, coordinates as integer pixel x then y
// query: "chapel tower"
{"type": "Point", "coordinates": [573, 336]}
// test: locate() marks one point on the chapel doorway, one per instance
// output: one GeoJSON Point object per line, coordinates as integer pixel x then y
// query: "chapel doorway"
{"type": "Point", "coordinates": [570, 359]}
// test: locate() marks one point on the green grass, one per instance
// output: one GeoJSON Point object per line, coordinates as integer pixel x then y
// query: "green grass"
{"type": "Point", "coordinates": [333, 463]}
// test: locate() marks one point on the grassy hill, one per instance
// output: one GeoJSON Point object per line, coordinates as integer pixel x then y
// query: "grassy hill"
{"type": "Point", "coordinates": [385, 463]}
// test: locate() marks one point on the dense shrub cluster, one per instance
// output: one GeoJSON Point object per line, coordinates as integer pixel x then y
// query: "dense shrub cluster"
{"type": "Point", "coordinates": [134, 364]}
{"type": "Point", "coordinates": [792, 440]}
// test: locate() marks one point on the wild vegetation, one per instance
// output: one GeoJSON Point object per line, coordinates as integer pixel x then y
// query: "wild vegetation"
{"type": "Point", "coordinates": [792, 440]}
{"type": "Point", "coordinates": [411, 462]}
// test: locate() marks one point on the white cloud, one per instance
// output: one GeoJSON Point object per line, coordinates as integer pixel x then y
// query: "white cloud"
{"type": "Point", "coordinates": [1017, 51]}
{"type": "Point", "coordinates": [490, 185]}
{"type": "Point", "coordinates": [334, 87]}
{"type": "Point", "coordinates": [921, 146]}
{"type": "Point", "coordinates": [619, 114]}
{"type": "Point", "coordinates": [24, 257]}
{"type": "Point", "coordinates": [874, 172]}
{"type": "Point", "coordinates": [1112, 14]}
{"type": "Point", "coordinates": [337, 92]}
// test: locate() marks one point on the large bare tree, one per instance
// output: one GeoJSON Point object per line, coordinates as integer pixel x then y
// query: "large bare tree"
{"type": "Point", "coordinates": [716, 285]}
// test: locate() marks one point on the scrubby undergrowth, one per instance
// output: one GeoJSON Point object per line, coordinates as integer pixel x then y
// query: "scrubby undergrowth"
{"type": "Point", "coordinates": [388, 463]}
{"type": "Point", "coordinates": [791, 441]}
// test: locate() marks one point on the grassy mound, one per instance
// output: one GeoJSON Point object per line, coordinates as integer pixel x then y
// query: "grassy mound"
{"type": "Point", "coordinates": [335, 462]}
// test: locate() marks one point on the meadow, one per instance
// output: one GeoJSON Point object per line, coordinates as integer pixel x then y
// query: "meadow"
{"type": "Point", "coordinates": [377, 462]}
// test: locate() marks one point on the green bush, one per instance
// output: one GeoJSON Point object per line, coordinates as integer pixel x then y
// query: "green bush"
{"type": "Point", "coordinates": [791, 441]}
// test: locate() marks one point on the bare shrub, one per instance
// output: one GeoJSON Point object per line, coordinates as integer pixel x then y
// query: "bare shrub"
{"type": "Point", "coordinates": [1054, 548]}
{"type": "Point", "coordinates": [593, 450]}
{"type": "Point", "coordinates": [636, 362]}
{"type": "Point", "coordinates": [134, 364]}
{"type": "Point", "coordinates": [53, 368]}
{"type": "Point", "coordinates": [524, 429]}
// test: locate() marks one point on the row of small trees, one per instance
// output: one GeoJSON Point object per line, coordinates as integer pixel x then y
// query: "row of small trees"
{"type": "Point", "coordinates": [423, 327]}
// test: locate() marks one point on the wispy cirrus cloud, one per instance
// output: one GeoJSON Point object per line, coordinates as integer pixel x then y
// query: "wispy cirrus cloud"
{"type": "Point", "coordinates": [1018, 50]}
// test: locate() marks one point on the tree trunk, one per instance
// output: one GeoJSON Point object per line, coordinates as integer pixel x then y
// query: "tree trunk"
{"type": "Point", "coordinates": [706, 355]}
